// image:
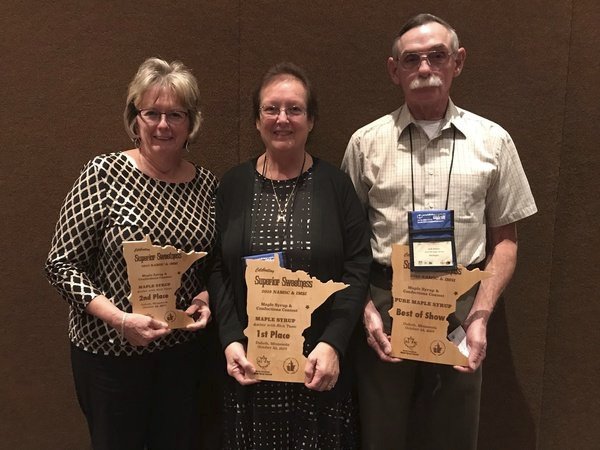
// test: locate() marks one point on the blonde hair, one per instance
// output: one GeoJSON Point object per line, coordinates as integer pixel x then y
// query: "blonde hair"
{"type": "Point", "coordinates": [175, 76]}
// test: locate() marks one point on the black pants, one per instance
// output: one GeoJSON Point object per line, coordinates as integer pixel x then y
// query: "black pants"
{"type": "Point", "coordinates": [140, 402]}
{"type": "Point", "coordinates": [415, 405]}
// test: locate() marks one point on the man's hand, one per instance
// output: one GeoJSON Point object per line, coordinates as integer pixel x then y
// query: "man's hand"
{"type": "Point", "coordinates": [238, 365]}
{"type": "Point", "coordinates": [376, 338]}
{"type": "Point", "coordinates": [322, 368]}
{"type": "Point", "coordinates": [476, 343]}
{"type": "Point", "coordinates": [501, 261]}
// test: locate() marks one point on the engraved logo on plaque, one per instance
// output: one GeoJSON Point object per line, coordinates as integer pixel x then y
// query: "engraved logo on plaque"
{"type": "Point", "coordinates": [290, 365]}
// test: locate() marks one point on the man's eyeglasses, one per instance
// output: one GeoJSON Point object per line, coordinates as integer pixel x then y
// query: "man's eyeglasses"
{"type": "Point", "coordinates": [412, 60]}
{"type": "Point", "coordinates": [274, 111]}
{"type": "Point", "coordinates": [153, 116]}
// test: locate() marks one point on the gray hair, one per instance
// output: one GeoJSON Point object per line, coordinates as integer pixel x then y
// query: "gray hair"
{"type": "Point", "coordinates": [175, 76]}
{"type": "Point", "coordinates": [422, 19]}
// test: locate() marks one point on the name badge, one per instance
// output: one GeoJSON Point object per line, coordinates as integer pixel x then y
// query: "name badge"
{"type": "Point", "coordinates": [431, 240]}
{"type": "Point", "coordinates": [265, 257]}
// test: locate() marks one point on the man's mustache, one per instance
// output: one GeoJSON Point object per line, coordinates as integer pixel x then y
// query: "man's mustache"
{"type": "Point", "coordinates": [431, 81]}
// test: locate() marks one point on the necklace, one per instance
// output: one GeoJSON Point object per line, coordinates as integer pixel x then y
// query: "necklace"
{"type": "Point", "coordinates": [282, 212]}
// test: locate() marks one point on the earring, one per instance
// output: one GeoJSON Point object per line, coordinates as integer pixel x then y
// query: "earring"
{"type": "Point", "coordinates": [187, 146]}
{"type": "Point", "coordinates": [136, 142]}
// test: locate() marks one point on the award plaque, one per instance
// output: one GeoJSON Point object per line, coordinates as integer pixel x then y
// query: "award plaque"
{"type": "Point", "coordinates": [422, 302]}
{"type": "Point", "coordinates": [154, 273]}
{"type": "Point", "coordinates": [280, 304]}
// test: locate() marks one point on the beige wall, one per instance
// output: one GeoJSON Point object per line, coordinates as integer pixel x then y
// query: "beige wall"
{"type": "Point", "coordinates": [531, 66]}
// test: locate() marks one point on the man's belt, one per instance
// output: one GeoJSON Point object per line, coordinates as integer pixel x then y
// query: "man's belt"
{"type": "Point", "coordinates": [381, 275]}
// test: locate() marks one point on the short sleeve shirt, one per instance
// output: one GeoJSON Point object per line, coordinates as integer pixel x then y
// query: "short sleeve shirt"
{"type": "Point", "coordinates": [486, 187]}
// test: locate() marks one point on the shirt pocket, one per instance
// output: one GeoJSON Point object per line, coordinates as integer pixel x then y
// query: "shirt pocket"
{"type": "Point", "coordinates": [468, 197]}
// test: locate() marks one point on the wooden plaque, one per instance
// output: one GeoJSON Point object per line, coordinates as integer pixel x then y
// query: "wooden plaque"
{"type": "Point", "coordinates": [422, 301]}
{"type": "Point", "coordinates": [154, 273]}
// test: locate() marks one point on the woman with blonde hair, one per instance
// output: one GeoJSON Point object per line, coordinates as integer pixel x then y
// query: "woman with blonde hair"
{"type": "Point", "coordinates": [136, 379]}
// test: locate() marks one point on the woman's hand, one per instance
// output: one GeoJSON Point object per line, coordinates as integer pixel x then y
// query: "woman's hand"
{"type": "Point", "coordinates": [322, 368]}
{"type": "Point", "coordinates": [238, 366]}
{"type": "Point", "coordinates": [199, 311]}
{"type": "Point", "coordinates": [137, 329]}
{"type": "Point", "coordinates": [140, 330]}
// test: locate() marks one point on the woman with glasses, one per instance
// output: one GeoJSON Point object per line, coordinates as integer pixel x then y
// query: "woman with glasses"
{"type": "Point", "coordinates": [136, 379]}
{"type": "Point", "coordinates": [288, 201]}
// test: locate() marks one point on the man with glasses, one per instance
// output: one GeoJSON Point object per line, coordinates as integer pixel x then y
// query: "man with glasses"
{"type": "Point", "coordinates": [431, 155]}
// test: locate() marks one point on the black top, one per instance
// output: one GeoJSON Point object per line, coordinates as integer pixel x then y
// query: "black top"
{"type": "Point", "coordinates": [339, 250]}
{"type": "Point", "coordinates": [292, 235]}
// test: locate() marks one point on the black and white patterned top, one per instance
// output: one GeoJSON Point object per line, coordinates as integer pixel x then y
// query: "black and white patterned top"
{"type": "Point", "coordinates": [112, 201]}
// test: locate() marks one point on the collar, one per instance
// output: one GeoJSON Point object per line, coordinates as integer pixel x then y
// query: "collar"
{"type": "Point", "coordinates": [453, 116]}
